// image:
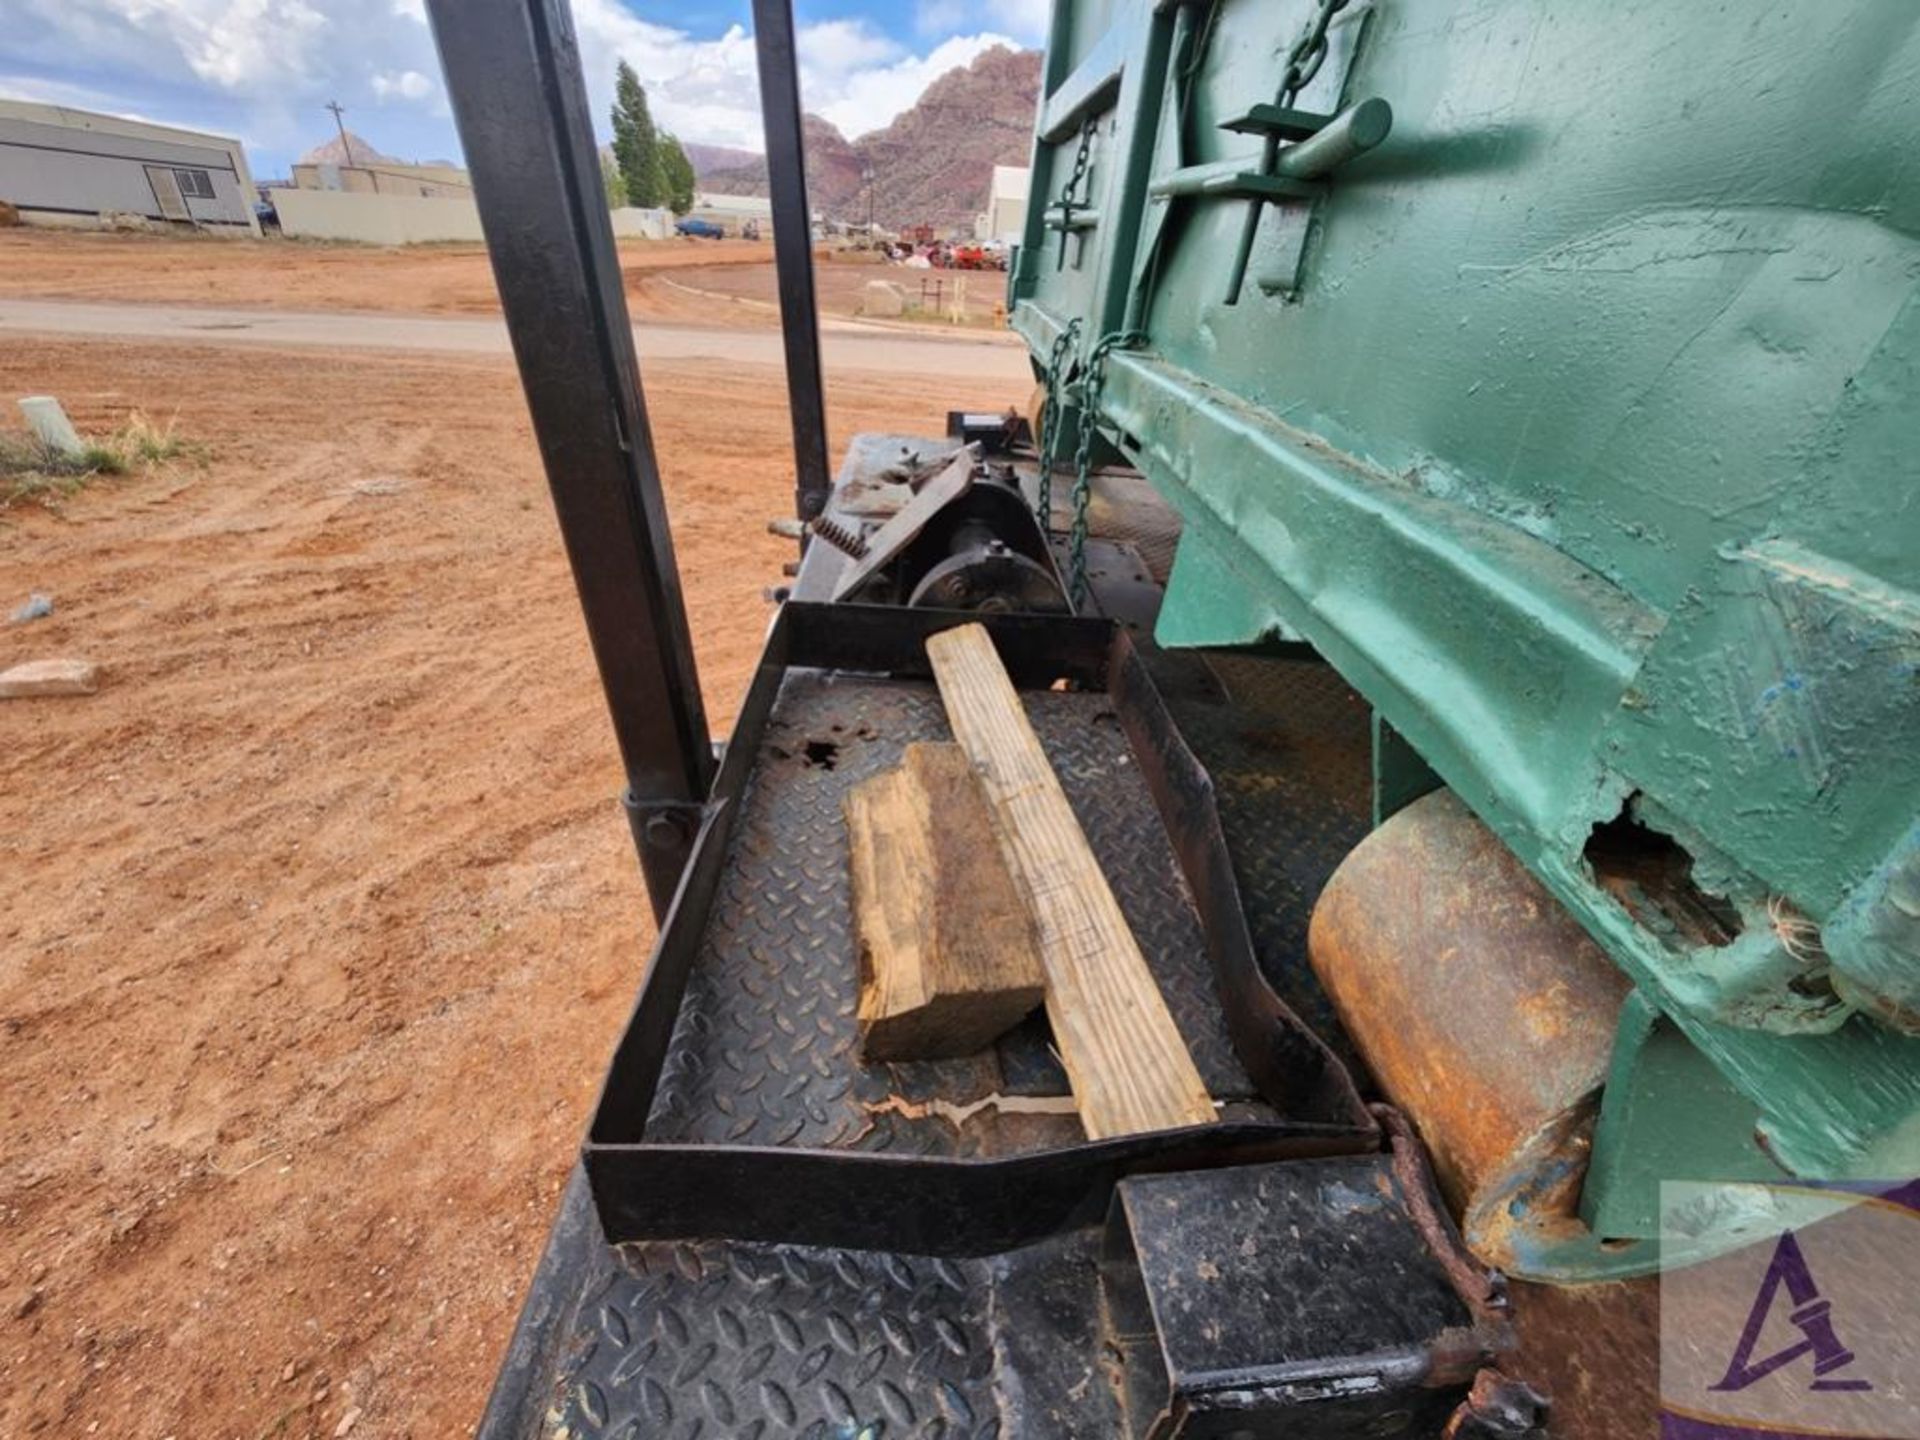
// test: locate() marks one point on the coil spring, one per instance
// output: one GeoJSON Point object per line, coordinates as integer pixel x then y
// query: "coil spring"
{"type": "Point", "coordinates": [846, 540]}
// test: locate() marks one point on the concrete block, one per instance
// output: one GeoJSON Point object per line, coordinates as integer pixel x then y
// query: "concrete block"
{"type": "Point", "coordinates": [883, 299]}
{"type": "Point", "coordinates": [48, 421]}
{"type": "Point", "coordinates": [49, 677]}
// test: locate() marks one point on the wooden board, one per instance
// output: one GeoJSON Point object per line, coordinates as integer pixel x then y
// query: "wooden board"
{"type": "Point", "coordinates": [1129, 1068]}
{"type": "Point", "coordinates": [949, 959]}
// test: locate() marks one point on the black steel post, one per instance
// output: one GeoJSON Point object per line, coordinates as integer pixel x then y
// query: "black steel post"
{"type": "Point", "coordinates": [793, 249]}
{"type": "Point", "coordinates": [513, 75]}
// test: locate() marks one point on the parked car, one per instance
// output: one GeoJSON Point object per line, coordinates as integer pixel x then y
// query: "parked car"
{"type": "Point", "coordinates": [695, 229]}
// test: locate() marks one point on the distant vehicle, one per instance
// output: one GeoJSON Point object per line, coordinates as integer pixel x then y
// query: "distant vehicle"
{"type": "Point", "coordinates": [698, 229]}
{"type": "Point", "coordinates": [264, 212]}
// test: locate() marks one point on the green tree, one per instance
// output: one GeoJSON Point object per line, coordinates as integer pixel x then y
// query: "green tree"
{"type": "Point", "coordinates": [676, 171]}
{"type": "Point", "coordinates": [612, 181]}
{"type": "Point", "coordinates": [636, 149]}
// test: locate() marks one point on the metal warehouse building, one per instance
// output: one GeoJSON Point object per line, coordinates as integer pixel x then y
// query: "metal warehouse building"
{"type": "Point", "coordinates": [62, 166]}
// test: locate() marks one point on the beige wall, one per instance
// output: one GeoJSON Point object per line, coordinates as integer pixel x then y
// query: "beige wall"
{"type": "Point", "coordinates": [374, 219]}
{"type": "Point", "coordinates": [633, 223]}
{"type": "Point", "coordinates": [415, 219]}
{"type": "Point", "coordinates": [420, 181]}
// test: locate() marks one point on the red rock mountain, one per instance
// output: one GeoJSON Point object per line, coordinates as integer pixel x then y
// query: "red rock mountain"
{"type": "Point", "coordinates": [932, 165]}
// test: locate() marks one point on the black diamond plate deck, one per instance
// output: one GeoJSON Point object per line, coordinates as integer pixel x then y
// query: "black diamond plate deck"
{"type": "Point", "coordinates": [673, 1341]}
{"type": "Point", "coordinates": [1289, 746]}
{"type": "Point", "coordinates": [765, 1049]}
{"type": "Point", "coordinates": [711, 1339]}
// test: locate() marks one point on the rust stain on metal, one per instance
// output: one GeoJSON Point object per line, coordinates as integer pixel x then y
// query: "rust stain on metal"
{"type": "Point", "coordinates": [1483, 1008]}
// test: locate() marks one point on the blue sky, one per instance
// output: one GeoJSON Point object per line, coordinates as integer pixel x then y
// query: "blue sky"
{"type": "Point", "coordinates": [263, 69]}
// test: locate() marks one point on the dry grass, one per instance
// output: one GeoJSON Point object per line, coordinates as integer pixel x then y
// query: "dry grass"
{"type": "Point", "coordinates": [32, 472]}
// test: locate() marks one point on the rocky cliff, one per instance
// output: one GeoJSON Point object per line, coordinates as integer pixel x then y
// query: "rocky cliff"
{"type": "Point", "coordinates": [932, 165]}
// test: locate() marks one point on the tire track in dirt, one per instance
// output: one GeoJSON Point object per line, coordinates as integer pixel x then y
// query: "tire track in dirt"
{"type": "Point", "coordinates": [318, 921]}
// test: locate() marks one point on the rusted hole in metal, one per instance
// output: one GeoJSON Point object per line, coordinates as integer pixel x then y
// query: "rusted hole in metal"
{"type": "Point", "coordinates": [820, 754]}
{"type": "Point", "coordinates": [1651, 874]}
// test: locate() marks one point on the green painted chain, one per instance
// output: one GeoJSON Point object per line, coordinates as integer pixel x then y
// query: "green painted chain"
{"type": "Point", "coordinates": [1093, 379]}
{"type": "Point", "coordinates": [1056, 381]}
{"type": "Point", "coordinates": [1070, 196]}
{"type": "Point", "coordinates": [1309, 52]}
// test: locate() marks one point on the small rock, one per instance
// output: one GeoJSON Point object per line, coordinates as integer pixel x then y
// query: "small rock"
{"type": "Point", "coordinates": [37, 607]}
{"type": "Point", "coordinates": [883, 298]}
{"type": "Point", "coordinates": [26, 1305]}
{"type": "Point", "coordinates": [49, 677]}
{"type": "Point", "coordinates": [293, 1369]}
{"type": "Point", "coordinates": [347, 1422]}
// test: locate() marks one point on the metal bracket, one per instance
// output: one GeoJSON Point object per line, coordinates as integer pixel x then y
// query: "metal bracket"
{"type": "Point", "coordinates": [663, 834]}
{"type": "Point", "coordinates": [1277, 120]}
{"type": "Point", "coordinates": [1070, 221]}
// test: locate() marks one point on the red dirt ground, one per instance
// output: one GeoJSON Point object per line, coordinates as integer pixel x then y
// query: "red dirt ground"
{"type": "Point", "coordinates": [318, 921]}
{"type": "Point", "coordinates": [432, 279]}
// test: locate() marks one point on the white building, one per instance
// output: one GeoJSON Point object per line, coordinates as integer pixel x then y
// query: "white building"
{"type": "Point", "coordinates": [1005, 218]}
{"type": "Point", "coordinates": [74, 167]}
{"type": "Point", "coordinates": [730, 212]}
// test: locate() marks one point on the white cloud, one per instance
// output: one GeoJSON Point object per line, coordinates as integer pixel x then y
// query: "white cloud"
{"type": "Point", "coordinates": [401, 84]}
{"type": "Point", "coordinates": [707, 89]}
{"type": "Point", "coordinates": [1026, 20]}
{"type": "Point", "coordinates": [273, 63]}
{"type": "Point", "coordinates": [835, 47]}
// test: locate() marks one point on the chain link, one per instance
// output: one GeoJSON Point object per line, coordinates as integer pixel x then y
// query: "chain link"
{"type": "Point", "coordinates": [1070, 196]}
{"type": "Point", "coordinates": [1093, 379]}
{"type": "Point", "coordinates": [1064, 345]}
{"type": "Point", "coordinates": [1309, 52]}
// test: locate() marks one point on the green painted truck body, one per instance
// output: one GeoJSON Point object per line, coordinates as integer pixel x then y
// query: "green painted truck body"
{"type": "Point", "coordinates": [1578, 425]}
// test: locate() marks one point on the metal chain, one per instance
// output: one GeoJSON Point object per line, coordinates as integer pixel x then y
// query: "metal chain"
{"type": "Point", "coordinates": [1064, 344]}
{"type": "Point", "coordinates": [1304, 60]}
{"type": "Point", "coordinates": [1070, 196]}
{"type": "Point", "coordinates": [1093, 379]}
{"type": "Point", "coordinates": [1309, 52]}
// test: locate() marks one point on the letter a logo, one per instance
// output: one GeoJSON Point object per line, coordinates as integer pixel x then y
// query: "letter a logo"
{"type": "Point", "coordinates": [1811, 1316]}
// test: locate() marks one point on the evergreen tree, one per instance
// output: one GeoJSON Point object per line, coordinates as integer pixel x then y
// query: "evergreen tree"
{"type": "Point", "coordinates": [636, 149]}
{"type": "Point", "coordinates": [612, 181]}
{"type": "Point", "coordinates": [676, 173]}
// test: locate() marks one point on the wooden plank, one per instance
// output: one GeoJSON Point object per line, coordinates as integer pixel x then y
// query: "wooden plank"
{"type": "Point", "coordinates": [1129, 1068]}
{"type": "Point", "coordinates": [949, 960]}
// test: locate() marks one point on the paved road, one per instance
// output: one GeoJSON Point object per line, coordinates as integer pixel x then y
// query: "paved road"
{"type": "Point", "coordinates": [843, 344]}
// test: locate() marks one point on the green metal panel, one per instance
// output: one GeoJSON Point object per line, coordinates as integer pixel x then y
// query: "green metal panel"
{"type": "Point", "coordinates": [1577, 425]}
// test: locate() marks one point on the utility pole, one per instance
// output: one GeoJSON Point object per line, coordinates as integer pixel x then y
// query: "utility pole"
{"type": "Point", "coordinates": [345, 144]}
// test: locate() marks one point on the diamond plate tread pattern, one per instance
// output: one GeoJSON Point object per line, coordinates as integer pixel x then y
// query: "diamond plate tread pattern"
{"type": "Point", "coordinates": [763, 1051]}
{"type": "Point", "coordinates": [1289, 747]}
{"type": "Point", "coordinates": [710, 1339]}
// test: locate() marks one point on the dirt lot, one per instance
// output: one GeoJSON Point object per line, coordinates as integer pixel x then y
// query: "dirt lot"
{"type": "Point", "coordinates": [318, 921]}
{"type": "Point", "coordinates": [707, 282]}
{"type": "Point", "coordinates": [837, 288]}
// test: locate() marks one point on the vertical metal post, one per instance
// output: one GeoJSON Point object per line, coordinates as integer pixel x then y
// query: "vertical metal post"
{"type": "Point", "coordinates": [513, 75]}
{"type": "Point", "coordinates": [793, 249]}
